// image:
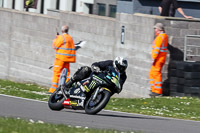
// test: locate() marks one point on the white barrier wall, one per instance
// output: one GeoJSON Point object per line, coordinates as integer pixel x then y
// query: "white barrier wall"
{"type": "Point", "coordinates": [26, 38]}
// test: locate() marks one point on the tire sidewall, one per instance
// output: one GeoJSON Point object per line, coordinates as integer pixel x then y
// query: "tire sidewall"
{"type": "Point", "coordinates": [58, 105]}
{"type": "Point", "coordinates": [100, 106]}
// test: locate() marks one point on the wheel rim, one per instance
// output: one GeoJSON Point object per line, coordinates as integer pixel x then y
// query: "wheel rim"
{"type": "Point", "coordinates": [56, 97]}
{"type": "Point", "coordinates": [93, 103]}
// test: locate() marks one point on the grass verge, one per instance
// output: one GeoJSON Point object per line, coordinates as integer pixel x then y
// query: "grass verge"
{"type": "Point", "coordinates": [25, 90]}
{"type": "Point", "coordinates": [11, 125]}
{"type": "Point", "coordinates": [174, 107]}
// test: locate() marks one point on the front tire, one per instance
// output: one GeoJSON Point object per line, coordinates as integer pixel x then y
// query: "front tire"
{"type": "Point", "coordinates": [55, 101]}
{"type": "Point", "coordinates": [94, 106]}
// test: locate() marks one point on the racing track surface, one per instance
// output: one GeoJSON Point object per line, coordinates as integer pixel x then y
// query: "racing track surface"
{"type": "Point", "coordinates": [37, 110]}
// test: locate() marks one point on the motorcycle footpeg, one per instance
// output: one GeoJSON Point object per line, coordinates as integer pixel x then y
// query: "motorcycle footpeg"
{"type": "Point", "coordinates": [67, 94]}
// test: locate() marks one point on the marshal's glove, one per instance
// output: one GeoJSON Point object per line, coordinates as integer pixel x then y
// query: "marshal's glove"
{"type": "Point", "coordinates": [95, 69]}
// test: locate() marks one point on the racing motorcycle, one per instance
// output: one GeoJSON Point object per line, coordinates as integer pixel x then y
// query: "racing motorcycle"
{"type": "Point", "coordinates": [91, 94]}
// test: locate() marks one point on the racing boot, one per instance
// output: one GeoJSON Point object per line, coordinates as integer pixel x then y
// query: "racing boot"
{"type": "Point", "coordinates": [154, 95]}
{"type": "Point", "coordinates": [68, 85]}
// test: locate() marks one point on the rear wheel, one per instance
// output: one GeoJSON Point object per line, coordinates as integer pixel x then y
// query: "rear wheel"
{"type": "Point", "coordinates": [94, 106]}
{"type": "Point", "coordinates": [56, 100]}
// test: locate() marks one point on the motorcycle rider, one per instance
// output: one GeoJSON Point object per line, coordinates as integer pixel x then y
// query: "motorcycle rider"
{"type": "Point", "coordinates": [119, 63]}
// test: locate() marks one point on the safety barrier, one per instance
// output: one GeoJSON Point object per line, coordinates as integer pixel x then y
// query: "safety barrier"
{"type": "Point", "coordinates": [184, 78]}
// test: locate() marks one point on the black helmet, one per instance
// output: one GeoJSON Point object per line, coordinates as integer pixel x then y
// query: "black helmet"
{"type": "Point", "coordinates": [120, 64]}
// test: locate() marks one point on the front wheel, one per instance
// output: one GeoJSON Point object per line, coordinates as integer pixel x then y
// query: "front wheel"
{"type": "Point", "coordinates": [56, 100]}
{"type": "Point", "coordinates": [94, 106]}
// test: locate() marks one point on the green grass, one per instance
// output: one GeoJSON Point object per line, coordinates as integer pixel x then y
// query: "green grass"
{"type": "Point", "coordinates": [174, 107]}
{"type": "Point", "coordinates": [11, 125]}
{"type": "Point", "coordinates": [26, 90]}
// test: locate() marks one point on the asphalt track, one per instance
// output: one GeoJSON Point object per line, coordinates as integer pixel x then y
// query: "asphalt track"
{"type": "Point", "coordinates": [37, 110]}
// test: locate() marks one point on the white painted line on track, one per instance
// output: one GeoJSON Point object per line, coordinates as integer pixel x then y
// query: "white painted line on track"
{"type": "Point", "coordinates": [23, 98]}
{"type": "Point", "coordinates": [104, 109]}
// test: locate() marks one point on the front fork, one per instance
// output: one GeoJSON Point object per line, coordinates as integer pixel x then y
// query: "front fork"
{"type": "Point", "coordinates": [95, 94]}
{"type": "Point", "coordinates": [99, 89]}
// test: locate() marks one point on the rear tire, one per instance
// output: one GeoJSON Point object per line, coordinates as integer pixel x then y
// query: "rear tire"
{"type": "Point", "coordinates": [55, 101]}
{"type": "Point", "coordinates": [94, 106]}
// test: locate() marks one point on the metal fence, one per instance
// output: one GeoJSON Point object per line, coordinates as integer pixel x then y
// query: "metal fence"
{"type": "Point", "coordinates": [192, 48]}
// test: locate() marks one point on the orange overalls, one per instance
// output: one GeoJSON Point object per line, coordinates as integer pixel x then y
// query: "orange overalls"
{"type": "Point", "coordinates": [65, 54]}
{"type": "Point", "coordinates": [159, 53]}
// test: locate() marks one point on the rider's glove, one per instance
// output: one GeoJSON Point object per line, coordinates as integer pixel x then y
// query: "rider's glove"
{"type": "Point", "coordinates": [95, 69]}
{"type": "Point", "coordinates": [119, 89]}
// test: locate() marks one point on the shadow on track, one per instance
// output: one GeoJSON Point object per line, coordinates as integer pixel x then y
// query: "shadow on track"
{"type": "Point", "coordinates": [119, 115]}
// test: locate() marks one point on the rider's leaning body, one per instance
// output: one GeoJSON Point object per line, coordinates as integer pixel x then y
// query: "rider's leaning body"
{"type": "Point", "coordinates": [120, 64]}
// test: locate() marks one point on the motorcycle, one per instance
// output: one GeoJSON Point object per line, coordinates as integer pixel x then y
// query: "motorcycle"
{"type": "Point", "coordinates": [91, 94]}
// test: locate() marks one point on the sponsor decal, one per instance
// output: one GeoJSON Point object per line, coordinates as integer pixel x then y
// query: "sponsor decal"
{"type": "Point", "coordinates": [113, 74]}
{"type": "Point", "coordinates": [92, 84]}
{"type": "Point", "coordinates": [66, 102]}
{"type": "Point", "coordinates": [115, 81]}
{"type": "Point", "coordinates": [73, 103]}
{"type": "Point", "coordinates": [108, 77]}
{"type": "Point", "coordinates": [86, 88]}
{"type": "Point", "coordinates": [98, 79]}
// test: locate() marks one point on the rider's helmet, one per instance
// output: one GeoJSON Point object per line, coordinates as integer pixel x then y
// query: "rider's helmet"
{"type": "Point", "coordinates": [120, 64]}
